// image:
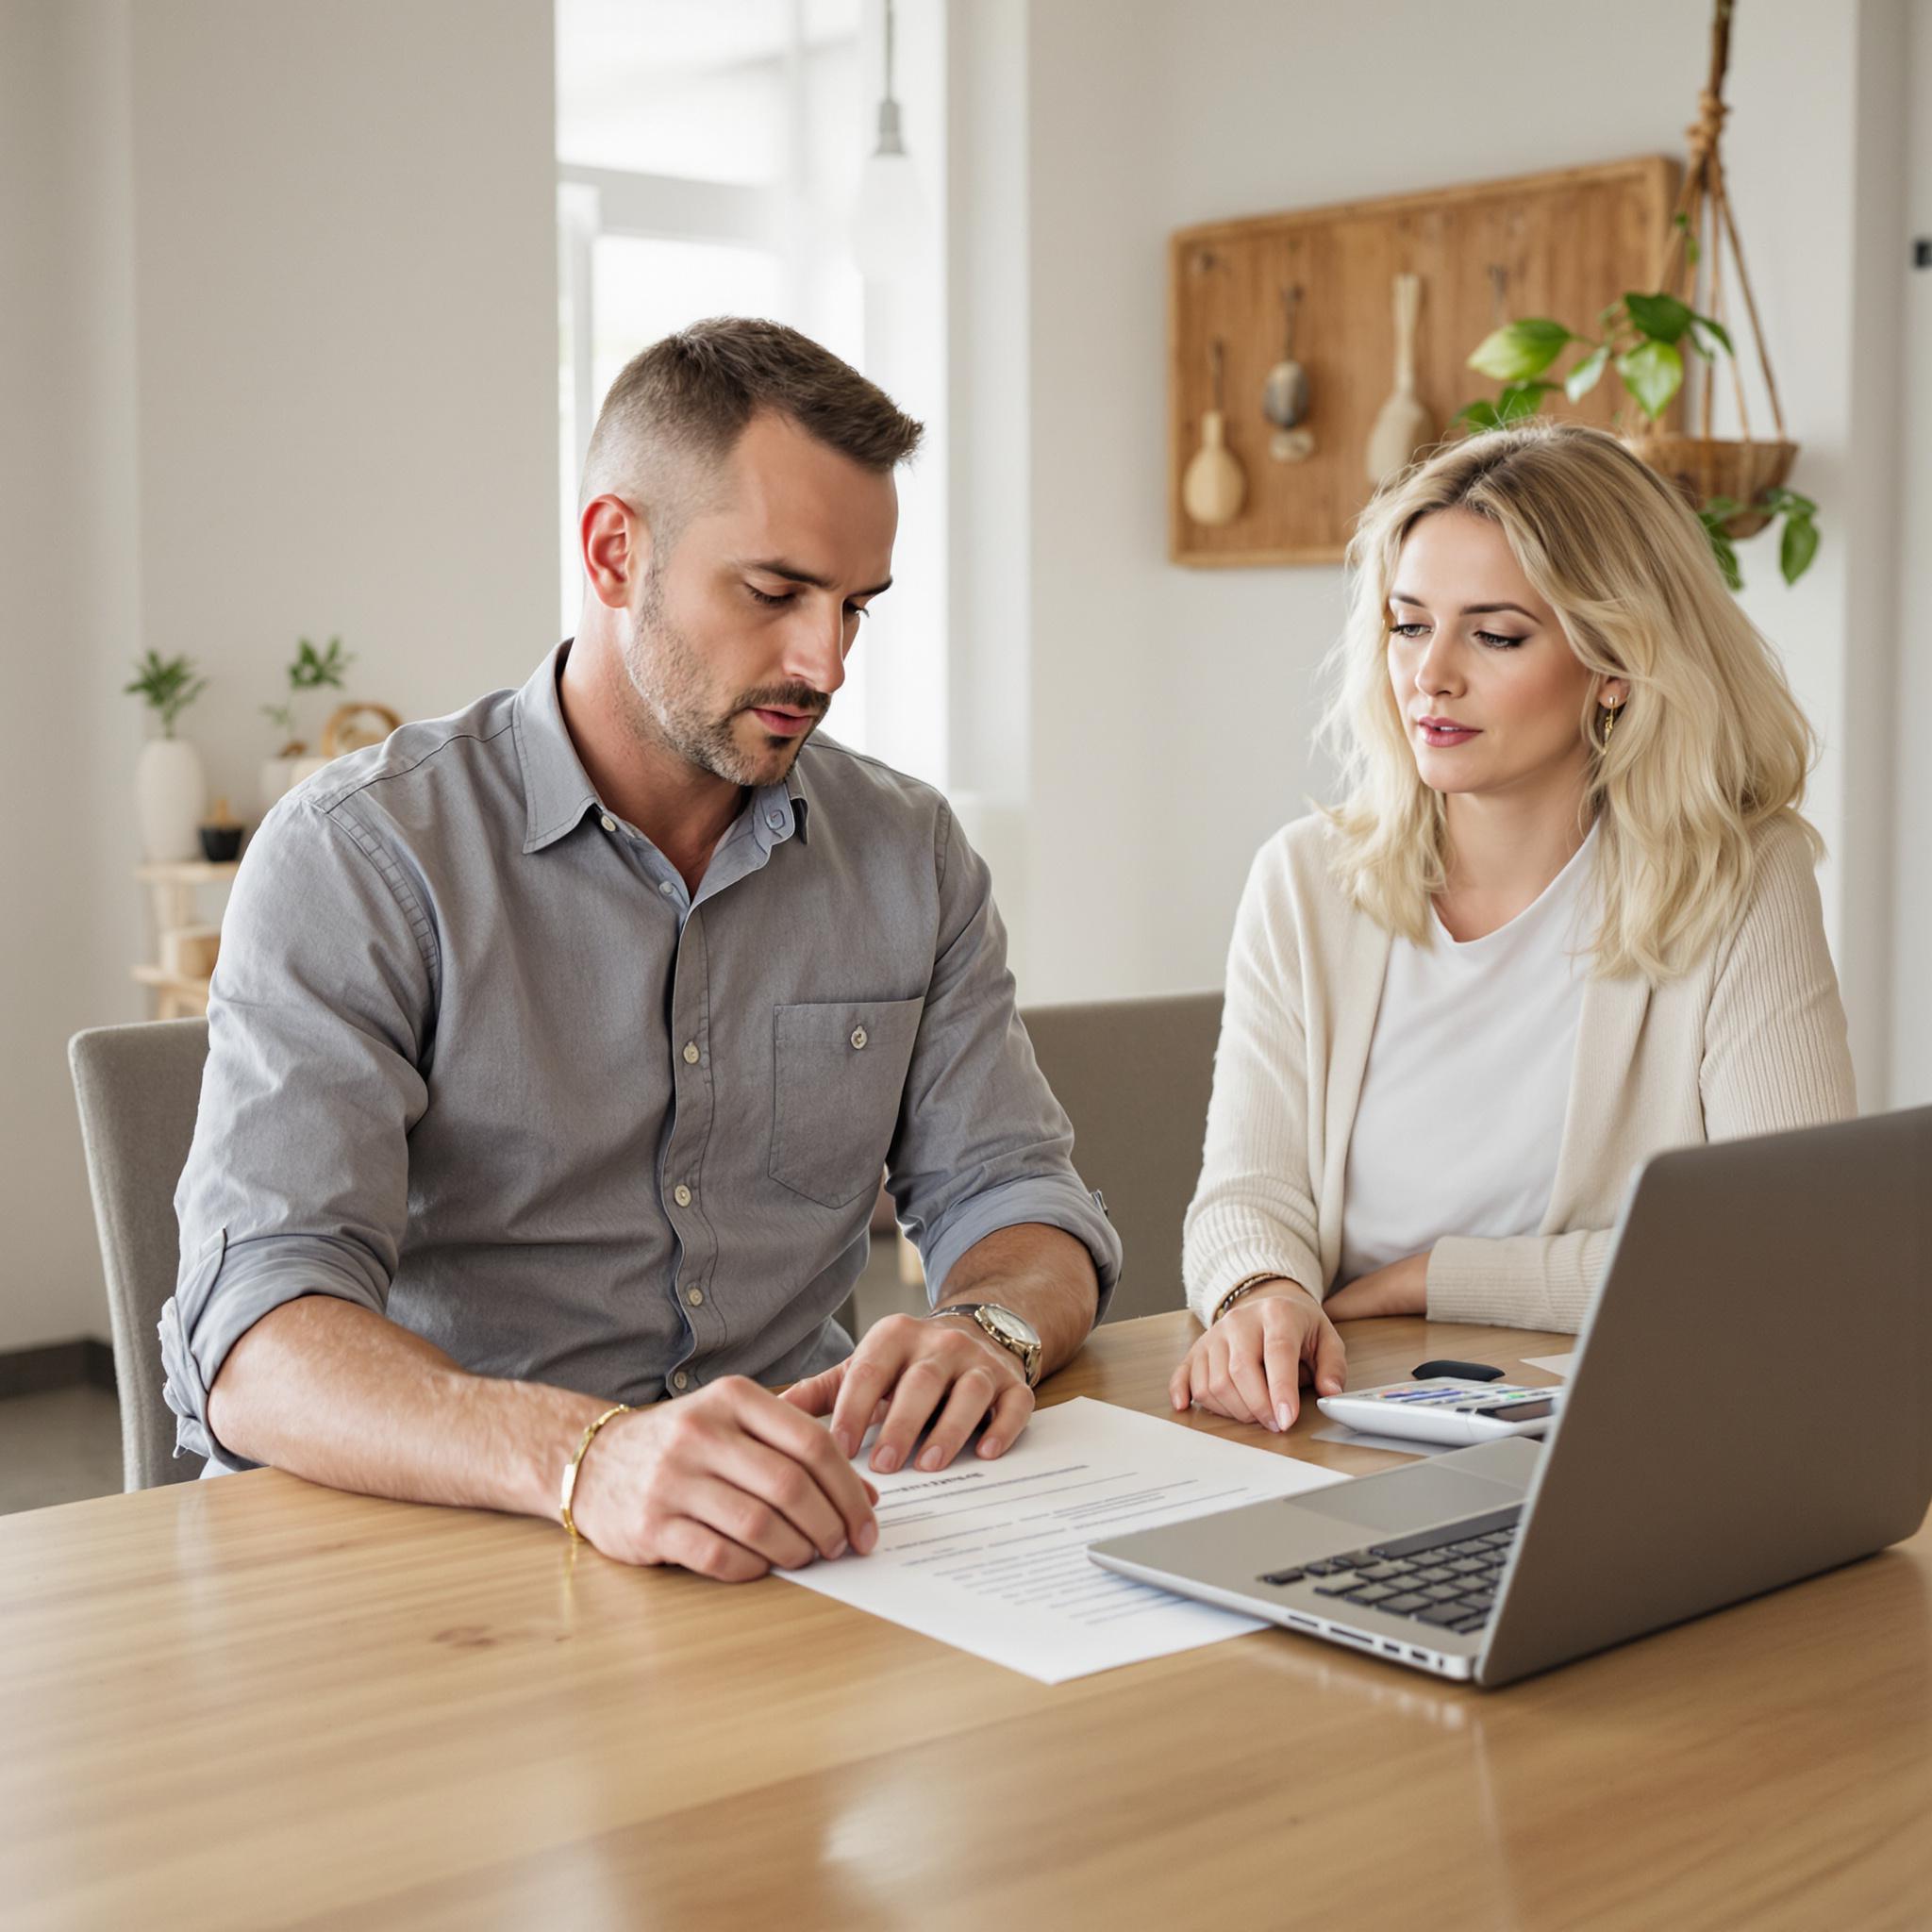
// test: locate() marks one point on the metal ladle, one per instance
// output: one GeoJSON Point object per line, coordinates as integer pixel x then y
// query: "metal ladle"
{"type": "Point", "coordinates": [1285, 393]}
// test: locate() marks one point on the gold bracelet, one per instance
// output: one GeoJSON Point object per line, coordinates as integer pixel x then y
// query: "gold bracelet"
{"type": "Point", "coordinates": [570, 1474]}
{"type": "Point", "coordinates": [1247, 1285]}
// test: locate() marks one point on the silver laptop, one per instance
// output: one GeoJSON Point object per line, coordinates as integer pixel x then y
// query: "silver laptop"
{"type": "Point", "coordinates": [1752, 1404]}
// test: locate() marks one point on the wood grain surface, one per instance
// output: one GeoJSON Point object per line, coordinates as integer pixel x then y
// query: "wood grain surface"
{"type": "Point", "coordinates": [1566, 243]}
{"type": "Point", "coordinates": [253, 1702]}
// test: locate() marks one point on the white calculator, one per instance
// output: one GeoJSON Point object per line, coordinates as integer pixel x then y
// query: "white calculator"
{"type": "Point", "coordinates": [1445, 1410]}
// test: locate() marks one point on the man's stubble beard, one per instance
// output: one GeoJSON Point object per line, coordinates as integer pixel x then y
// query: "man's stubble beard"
{"type": "Point", "coordinates": [666, 675]}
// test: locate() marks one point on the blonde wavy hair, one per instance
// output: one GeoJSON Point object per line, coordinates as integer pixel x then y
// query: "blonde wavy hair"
{"type": "Point", "coordinates": [1709, 747]}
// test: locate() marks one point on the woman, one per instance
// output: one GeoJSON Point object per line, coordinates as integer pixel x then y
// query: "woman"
{"type": "Point", "coordinates": [1564, 918]}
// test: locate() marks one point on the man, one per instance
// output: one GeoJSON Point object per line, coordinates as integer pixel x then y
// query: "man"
{"type": "Point", "coordinates": [556, 1047]}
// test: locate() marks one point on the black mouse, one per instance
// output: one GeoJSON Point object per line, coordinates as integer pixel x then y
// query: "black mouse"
{"type": "Point", "coordinates": [1463, 1371]}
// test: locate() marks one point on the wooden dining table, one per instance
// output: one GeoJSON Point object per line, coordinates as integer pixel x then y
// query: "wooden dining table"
{"type": "Point", "coordinates": [255, 1702]}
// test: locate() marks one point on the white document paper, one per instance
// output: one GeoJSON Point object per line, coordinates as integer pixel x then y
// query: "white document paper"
{"type": "Point", "coordinates": [992, 1556]}
{"type": "Point", "coordinates": [1556, 1364]}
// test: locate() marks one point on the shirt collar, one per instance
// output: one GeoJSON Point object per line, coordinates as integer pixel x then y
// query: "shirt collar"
{"type": "Point", "coordinates": [558, 791]}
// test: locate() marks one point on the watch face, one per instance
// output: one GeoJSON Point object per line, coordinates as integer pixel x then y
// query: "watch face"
{"type": "Point", "coordinates": [1015, 1326]}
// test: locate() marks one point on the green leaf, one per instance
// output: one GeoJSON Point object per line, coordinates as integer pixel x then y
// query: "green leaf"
{"type": "Point", "coordinates": [1727, 554]}
{"type": "Point", "coordinates": [1720, 507]}
{"type": "Point", "coordinates": [1700, 324]}
{"type": "Point", "coordinates": [1798, 546]}
{"type": "Point", "coordinates": [1480, 415]}
{"type": "Point", "coordinates": [1692, 251]}
{"type": "Point", "coordinates": [1653, 373]}
{"type": "Point", "coordinates": [1587, 373]}
{"type": "Point", "coordinates": [1521, 399]}
{"type": "Point", "coordinates": [1662, 318]}
{"type": "Point", "coordinates": [1521, 349]}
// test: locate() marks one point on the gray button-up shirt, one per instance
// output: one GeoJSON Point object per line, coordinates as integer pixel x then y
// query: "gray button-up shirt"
{"type": "Point", "coordinates": [478, 1061]}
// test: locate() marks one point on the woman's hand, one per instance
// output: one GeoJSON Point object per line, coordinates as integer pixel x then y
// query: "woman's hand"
{"type": "Point", "coordinates": [1250, 1365]}
{"type": "Point", "coordinates": [1400, 1289]}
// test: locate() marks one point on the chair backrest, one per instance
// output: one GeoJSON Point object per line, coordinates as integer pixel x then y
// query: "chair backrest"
{"type": "Point", "coordinates": [139, 1088]}
{"type": "Point", "coordinates": [1134, 1076]}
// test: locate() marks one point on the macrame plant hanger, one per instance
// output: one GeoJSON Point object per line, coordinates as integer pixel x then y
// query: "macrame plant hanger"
{"type": "Point", "coordinates": [1702, 466]}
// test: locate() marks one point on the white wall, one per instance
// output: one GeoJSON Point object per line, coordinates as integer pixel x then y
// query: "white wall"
{"type": "Point", "coordinates": [1912, 845]}
{"type": "Point", "coordinates": [1169, 711]}
{"type": "Point", "coordinates": [279, 349]}
{"type": "Point", "coordinates": [67, 574]}
{"type": "Point", "coordinates": [345, 278]}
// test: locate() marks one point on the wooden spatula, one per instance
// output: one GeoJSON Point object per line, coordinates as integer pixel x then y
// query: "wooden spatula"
{"type": "Point", "coordinates": [1404, 425]}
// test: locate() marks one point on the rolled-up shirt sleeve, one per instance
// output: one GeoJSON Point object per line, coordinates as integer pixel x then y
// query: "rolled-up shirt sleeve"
{"type": "Point", "coordinates": [981, 1143]}
{"type": "Point", "coordinates": [319, 1022]}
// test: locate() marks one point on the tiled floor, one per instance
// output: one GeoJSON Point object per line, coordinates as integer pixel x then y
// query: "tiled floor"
{"type": "Point", "coordinates": [65, 1445]}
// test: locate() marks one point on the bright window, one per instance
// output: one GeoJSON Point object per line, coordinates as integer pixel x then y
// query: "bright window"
{"type": "Point", "coordinates": [708, 158]}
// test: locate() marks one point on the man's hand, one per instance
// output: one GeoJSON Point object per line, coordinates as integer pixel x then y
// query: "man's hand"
{"type": "Point", "coordinates": [1400, 1289]}
{"type": "Point", "coordinates": [729, 1482]}
{"type": "Point", "coordinates": [1251, 1363]}
{"type": "Point", "coordinates": [909, 1371]}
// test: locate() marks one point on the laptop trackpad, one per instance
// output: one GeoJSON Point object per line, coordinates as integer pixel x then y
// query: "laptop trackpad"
{"type": "Point", "coordinates": [1412, 1498]}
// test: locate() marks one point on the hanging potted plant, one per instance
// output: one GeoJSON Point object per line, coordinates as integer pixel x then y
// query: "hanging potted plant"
{"type": "Point", "coordinates": [309, 669]}
{"type": "Point", "coordinates": [170, 790]}
{"type": "Point", "coordinates": [1736, 485]}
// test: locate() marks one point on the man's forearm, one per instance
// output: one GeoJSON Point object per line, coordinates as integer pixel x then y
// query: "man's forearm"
{"type": "Point", "coordinates": [331, 1390]}
{"type": "Point", "coordinates": [1039, 1272]}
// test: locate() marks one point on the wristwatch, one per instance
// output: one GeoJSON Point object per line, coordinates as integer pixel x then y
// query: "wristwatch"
{"type": "Point", "coordinates": [1014, 1333]}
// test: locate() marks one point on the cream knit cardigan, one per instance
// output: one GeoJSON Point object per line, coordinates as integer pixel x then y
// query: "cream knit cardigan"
{"type": "Point", "coordinates": [1750, 1040]}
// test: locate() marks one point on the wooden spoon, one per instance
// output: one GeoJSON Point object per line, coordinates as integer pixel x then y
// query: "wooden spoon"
{"type": "Point", "coordinates": [1214, 486]}
{"type": "Point", "coordinates": [1404, 425]}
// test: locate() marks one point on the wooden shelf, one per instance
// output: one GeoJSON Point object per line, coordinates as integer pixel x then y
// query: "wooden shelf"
{"type": "Point", "coordinates": [173, 885]}
{"type": "Point", "coordinates": [187, 871]}
{"type": "Point", "coordinates": [171, 982]}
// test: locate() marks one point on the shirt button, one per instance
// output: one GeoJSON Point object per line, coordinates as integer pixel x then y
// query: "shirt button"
{"type": "Point", "coordinates": [680, 1380]}
{"type": "Point", "coordinates": [665, 886]}
{"type": "Point", "coordinates": [608, 823]}
{"type": "Point", "coordinates": [681, 1194]}
{"type": "Point", "coordinates": [695, 1297]}
{"type": "Point", "coordinates": [775, 819]}
{"type": "Point", "coordinates": [859, 1037]}
{"type": "Point", "coordinates": [691, 1053]}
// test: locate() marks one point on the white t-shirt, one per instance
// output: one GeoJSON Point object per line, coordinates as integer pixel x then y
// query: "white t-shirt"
{"type": "Point", "coordinates": [1468, 1079]}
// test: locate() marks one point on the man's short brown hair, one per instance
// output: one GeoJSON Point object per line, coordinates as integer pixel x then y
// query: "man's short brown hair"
{"type": "Point", "coordinates": [675, 414]}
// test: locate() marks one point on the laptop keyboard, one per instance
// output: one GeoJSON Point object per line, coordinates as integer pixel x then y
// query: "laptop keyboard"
{"type": "Point", "coordinates": [1447, 1577]}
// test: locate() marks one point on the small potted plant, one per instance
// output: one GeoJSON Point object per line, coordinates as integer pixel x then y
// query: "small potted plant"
{"type": "Point", "coordinates": [1735, 488]}
{"type": "Point", "coordinates": [310, 669]}
{"type": "Point", "coordinates": [1735, 484]}
{"type": "Point", "coordinates": [169, 786]}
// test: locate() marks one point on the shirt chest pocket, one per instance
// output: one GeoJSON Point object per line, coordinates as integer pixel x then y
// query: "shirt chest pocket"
{"type": "Point", "coordinates": [839, 1075]}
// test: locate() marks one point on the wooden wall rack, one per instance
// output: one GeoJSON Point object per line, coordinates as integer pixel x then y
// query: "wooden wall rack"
{"type": "Point", "coordinates": [1566, 243]}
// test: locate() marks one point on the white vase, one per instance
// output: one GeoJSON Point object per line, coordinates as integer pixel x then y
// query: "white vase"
{"type": "Point", "coordinates": [173, 798]}
{"type": "Point", "coordinates": [278, 774]}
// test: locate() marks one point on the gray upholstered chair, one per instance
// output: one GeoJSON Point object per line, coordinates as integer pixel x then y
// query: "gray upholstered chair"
{"type": "Point", "coordinates": [1134, 1076]}
{"type": "Point", "coordinates": [138, 1089]}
